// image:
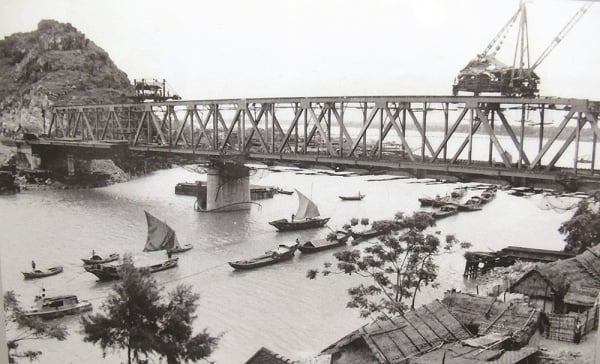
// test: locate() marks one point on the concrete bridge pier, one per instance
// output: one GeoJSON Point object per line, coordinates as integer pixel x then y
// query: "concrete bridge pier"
{"type": "Point", "coordinates": [227, 188]}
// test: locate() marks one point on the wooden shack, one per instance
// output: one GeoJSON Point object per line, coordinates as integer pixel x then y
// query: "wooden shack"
{"type": "Point", "coordinates": [484, 315]}
{"type": "Point", "coordinates": [569, 285]}
{"type": "Point", "coordinates": [400, 338]}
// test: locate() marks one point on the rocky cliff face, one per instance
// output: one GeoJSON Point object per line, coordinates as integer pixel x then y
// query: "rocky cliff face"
{"type": "Point", "coordinates": [54, 65]}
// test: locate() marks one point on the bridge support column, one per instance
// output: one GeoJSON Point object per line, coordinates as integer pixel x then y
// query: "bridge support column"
{"type": "Point", "coordinates": [227, 188]}
{"type": "Point", "coordinates": [70, 165]}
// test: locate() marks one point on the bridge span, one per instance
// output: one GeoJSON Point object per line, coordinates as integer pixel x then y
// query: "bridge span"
{"type": "Point", "coordinates": [544, 138]}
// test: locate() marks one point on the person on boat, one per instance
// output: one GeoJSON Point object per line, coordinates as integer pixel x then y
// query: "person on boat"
{"type": "Point", "coordinates": [293, 217]}
{"type": "Point", "coordinates": [33, 264]}
{"type": "Point", "coordinates": [169, 253]}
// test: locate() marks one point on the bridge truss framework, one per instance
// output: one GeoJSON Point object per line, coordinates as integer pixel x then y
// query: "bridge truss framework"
{"type": "Point", "coordinates": [517, 134]}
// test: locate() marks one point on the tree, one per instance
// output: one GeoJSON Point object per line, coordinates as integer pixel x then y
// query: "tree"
{"type": "Point", "coordinates": [138, 319]}
{"type": "Point", "coordinates": [176, 341]}
{"type": "Point", "coordinates": [583, 228]}
{"type": "Point", "coordinates": [20, 328]}
{"type": "Point", "coordinates": [397, 266]}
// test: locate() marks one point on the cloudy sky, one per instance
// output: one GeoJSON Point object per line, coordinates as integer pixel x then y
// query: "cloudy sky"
{"type": "Point", "coordinates": [267, 48]}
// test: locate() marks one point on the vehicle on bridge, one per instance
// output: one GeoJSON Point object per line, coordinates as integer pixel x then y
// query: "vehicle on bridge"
{"type": "Point", "coordinates": [486, 74]}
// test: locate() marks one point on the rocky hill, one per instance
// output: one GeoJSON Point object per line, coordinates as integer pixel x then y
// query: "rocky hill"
{"type": "Point", "coordinates": [55, 64]}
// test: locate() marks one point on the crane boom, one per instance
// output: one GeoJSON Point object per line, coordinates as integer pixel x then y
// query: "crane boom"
{"type": "Point", "coordinates": [501, 33]}
{"type": "Point", "coordinates": [559, 37]}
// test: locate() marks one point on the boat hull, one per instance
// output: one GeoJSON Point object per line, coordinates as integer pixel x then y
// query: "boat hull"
{"type": "Point", "coordinates": [181, 249]}
{"type": "Point", "coordinates": [110, 258]}
{"type": "Point", "coordinates": [112, 272]}
{"type": "Point", "coordinates": [57, 312]}
{"type": "Point", "coordinates": [42, 273]}
{"type": "Point", "coordinates": [313, 249]}
{"type": "Point", "coordinates": [285, 225]}
{"type": "Point", "coordinates": [264, 260]}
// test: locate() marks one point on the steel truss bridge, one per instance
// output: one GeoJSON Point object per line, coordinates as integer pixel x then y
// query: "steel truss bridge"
{"type": "Point", "coordinates": [543, 138]}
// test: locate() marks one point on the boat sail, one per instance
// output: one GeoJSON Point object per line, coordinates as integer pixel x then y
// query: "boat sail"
{"type": "Point", "coordinates": [162, 237]}
{"type": "Point", "coordinates": [306, 217]}
{"type": "Point", "coordinates": [306, 208]}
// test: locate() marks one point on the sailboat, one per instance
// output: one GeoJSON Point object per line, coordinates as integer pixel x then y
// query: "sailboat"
{"type": "Point", "coordinates": [162, 237]}
{"type": "Point", "coordinates": [306, 217]}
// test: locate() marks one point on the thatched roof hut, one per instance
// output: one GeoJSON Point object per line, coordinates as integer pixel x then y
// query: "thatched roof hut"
{"type": "Point", "coordinates": [485, 315]}
{"type": "Point", "coordinates": [266, 356]}
{"type": "Point", "coordinates": [570, 285]}
{"type": "Point", "coordinates": [400, 338]}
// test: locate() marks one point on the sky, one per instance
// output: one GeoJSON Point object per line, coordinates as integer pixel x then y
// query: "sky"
{"type": "Point", "coordinates": [275, 48]}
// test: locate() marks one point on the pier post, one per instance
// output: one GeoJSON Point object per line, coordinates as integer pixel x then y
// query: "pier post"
{"type": "Point", "coordinates": [227, 188]}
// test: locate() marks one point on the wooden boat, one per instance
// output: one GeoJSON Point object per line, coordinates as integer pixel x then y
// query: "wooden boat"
{"type": "Point", "coordinates": [113, 272]}
{"type": "Point", "coordinates": [487, 196]}
{"type": "Point", "coordinates": [352, 198]}
{"type": "Point", "coordinates": [285, 192]}
{"type": "Point", "coordinates": [458, 192]}
{"type": "Point", "coordinates": [162, 237]}
{"type": "Point", "coordinates": [40, 273]}
{"type": "Point", "coordinates": [96, 259]}
{"type": "Point", "coordinates": [472, 204]}
{"type": "Point", "coordinates": [312, 246]}
{"type": "Point", "coordinates": [57, 306]}
{"type": "Point", "coordinates": [434, 202]}
{"type": "Point", "coordinates": [445, 211]}
{"type": "Point", "coordinates": [306, 217]}
{"type": "Point", "coordinates": [368, 234]}
{"type": "Point", "coordinates": [280, 254]}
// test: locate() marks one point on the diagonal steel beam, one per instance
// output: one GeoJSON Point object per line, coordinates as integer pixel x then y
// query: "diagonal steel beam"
{"type": "Point", "coordinates": [421, 131]}
{"type": "Point", "coordinates": [451, 132]}
{"type": "Point", "coordinates": [564, 147]}
{"type": "Point", "coordinates": [411, 156]}
{"type": "Point", "coordinates": [203, 131]}
{"type": "Point", "coordinates": [139, 129]}
{"type": "Point", "coordinates": [322, 132]}
{"type": "Point", "coordinates": [486, 124]}
{"type": "Point", "coordinates": [156, 121]}
{"type": "Point", "coordinates": [280, 129]}
{"type": "Point", "coordinates": [234, 121]}
{"type": "Point", "coordinates": [313, 130]}
{"type": "Point", "coordinates": [465, 142]}
{"type": "Point", "coordinates": [512, 135]}
{"type": "Point", "coordinates": [363, 130]}
{"type": "Point", "coordinates": [255, 128]}
{"type": "Point", "coordinates": [88, 126]}
{"type": "Point", "coordinates": [338, 117]}
{"type": "Point", "coordinates": [255, 123]}
{"type": "Point", "coordinates": [549, 143]}
{"type": "Point", "coordinates": [293, 124]}
{"type": "Point", "coordinates": [180, 134]}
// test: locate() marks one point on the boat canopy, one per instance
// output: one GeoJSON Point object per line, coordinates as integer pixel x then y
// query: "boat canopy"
{"type": "Point", "coordinates": [160, 235]}
{"type": "Point", "coordinates": [306, 208]}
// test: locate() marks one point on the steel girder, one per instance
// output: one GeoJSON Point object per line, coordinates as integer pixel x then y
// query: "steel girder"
{"type": "Point", "coordinates": [498, 131]}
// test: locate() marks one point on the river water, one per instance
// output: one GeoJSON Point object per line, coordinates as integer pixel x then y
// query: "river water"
{"type": "Point", "coordinates": [275, 306]}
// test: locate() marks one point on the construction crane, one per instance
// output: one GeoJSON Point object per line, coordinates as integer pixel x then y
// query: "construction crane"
{"type": "Point", "coordinates": [152, 90]}
{"type": "Point", "coordinates": [487, 74]}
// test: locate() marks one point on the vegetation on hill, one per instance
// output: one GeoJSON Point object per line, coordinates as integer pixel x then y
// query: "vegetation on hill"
{"type": "Point", "coordinates": [55, 64]}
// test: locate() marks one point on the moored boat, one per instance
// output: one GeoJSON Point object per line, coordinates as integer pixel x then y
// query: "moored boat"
{"type": "Point", "coordinates": [367, 234]}
{"type": "Point", "coordinates": [40, 273]}
{"type": "Point", "coordinates": [445, 211]}
{"type": "Point", "coordinates": [434, 202]}
{"type": "Point", "coordinates": [282, 191]}
{"type": "Point", "coordinates": [487, 196]}
{"type": "Point", "coordinates": [113, 272]}
{"type": "Point", "coordinates": [306, 217]}
{"type": "Point", "coordinates": [357, 197]}
{"type": "Point", "coordinates": [57, 306]}
{"type": "Point", "coordinates": [333, 240]}
{"type": "Point", "coordinates": [281, 253]}
{"type": "Point", "coordinates": [96, 259]}
{"type": "Point", "coordinates": [458, 192]}
{"type": "Point", "coordinates": [472, 204]}
{"type": "Point", "coordinates": [162, 237]}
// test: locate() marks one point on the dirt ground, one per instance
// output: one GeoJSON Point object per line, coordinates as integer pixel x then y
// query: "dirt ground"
{"type": "Point", "coordinates": [586, 352]}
